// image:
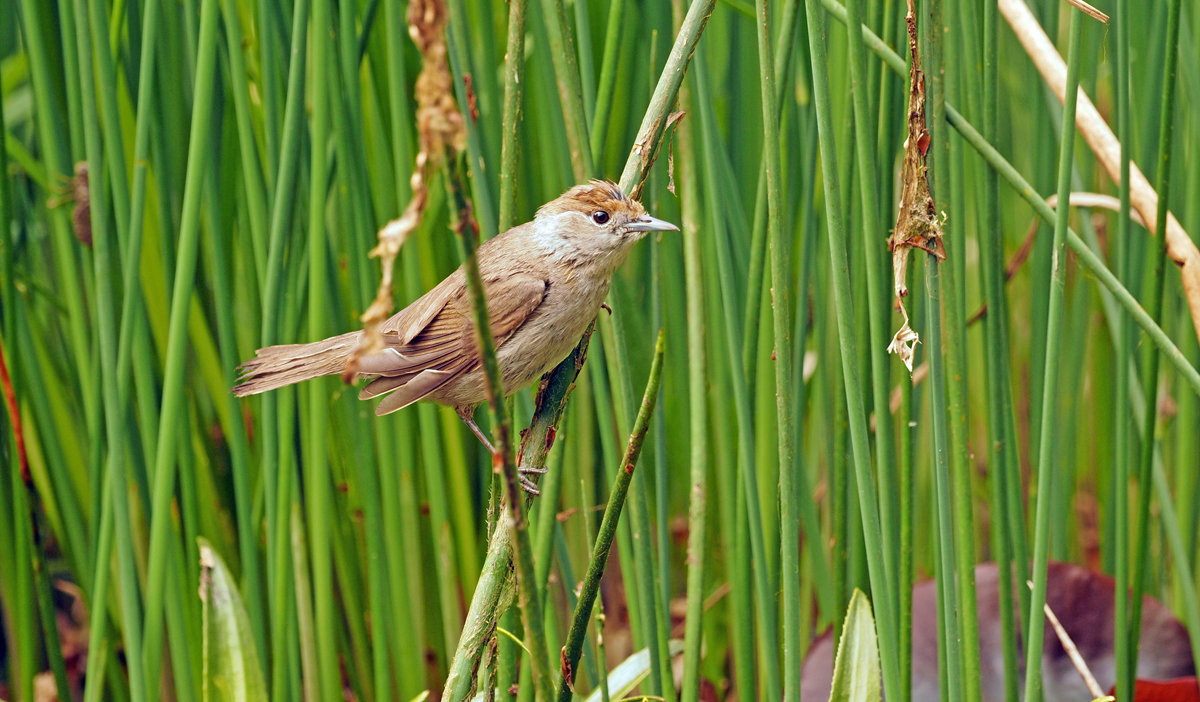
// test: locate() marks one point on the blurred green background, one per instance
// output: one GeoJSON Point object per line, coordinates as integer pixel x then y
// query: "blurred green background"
{"type": "Point", "coordinates": [189, 241]}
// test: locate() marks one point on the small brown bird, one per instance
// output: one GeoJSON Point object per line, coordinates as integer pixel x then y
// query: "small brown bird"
{"type": "Point", "coordinates": [544, 282]}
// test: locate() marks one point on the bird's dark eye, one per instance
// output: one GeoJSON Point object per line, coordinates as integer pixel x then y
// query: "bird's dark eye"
{"type": "Point", "coordinates": [600, 217]}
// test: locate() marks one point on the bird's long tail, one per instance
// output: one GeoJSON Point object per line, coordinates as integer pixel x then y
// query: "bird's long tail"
{"type": "Point", "coordinates": [277, 366]}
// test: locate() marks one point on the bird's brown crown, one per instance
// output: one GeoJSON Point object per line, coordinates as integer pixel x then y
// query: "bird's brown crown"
{"type": "Point", "coordinates": [592, 196]}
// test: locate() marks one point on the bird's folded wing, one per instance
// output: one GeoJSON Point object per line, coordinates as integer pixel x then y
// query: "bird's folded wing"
{"type": "Point", "coordinates": [446, 342]}
{"type": "Point", "coordinates": [412, 320]}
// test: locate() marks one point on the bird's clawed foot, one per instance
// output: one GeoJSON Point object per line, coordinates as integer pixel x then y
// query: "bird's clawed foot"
{"type": "Point", "coordinates": [528, 484]}
{"type": "Point", "coordinates": [467, 415]}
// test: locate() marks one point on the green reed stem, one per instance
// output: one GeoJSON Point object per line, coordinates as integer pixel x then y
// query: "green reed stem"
{"type": "Point", "coordinates": [510, 149]}
{"type": "Point", "coordinates": [653, 615]}
{"type": "Point", "coordinates": [57, 158]}
{"type": "Point", "coordinates": [405, 585]}
{"type": "Point", "coordinates": [608, 525]}
{"type": "Point", "coordinates": [98, 616]}
{"type": "Point", "coordinates": [530, 599]}
{"type": "Point", "coordinates": [252, 172]}
{"type": "Point", "coordinates": [1154, 308]}
{"type": "Point", "coordinates": [104, 251]}
{"type": "Point", "coordinates": [781, 314]}
{"type": "Point", "coordinates": [24, 494]}
{"type": "Point", "coordinates": [570, 90]}
{"type": "Point", "coordinates": [1122, 359]}
{"type": "Point", "coordinates": [606, 89]}
{"type": "Point", "coordinates": [460, 66]}
{"type": "Point", "coordinates": [947, 605]}
{"type": "Point", "coordinates": [885, 621]}
{"type": "Point", "coordinates": [1090, 260]}
{"type": "Point", "coordinates": [1001, 443]}
{"type": "Point", "coordinates": [878, 295]}
{"type": "Point", "coordinates": [1183, 567]}
{"type": "Point", "coordinates": [697, 555]}
{"type": "Point", "coordinates": [171, 413]}
{"type": "Point", "coordinates": [649, 134]}
{"type": "Point", "coordinates": [1041, 552]}
{"type": "Point", "coordinates": [318, 472]}
{"type": "Point", "coordinates": [758, 242]}
{"type": "Point", "coordinates": [733, 496]}
{"type": "Point", "coordinates": [965, 625]}
{"type": "Point", "coordinates": [1168, 518]}
{"type": "Point", "coordinates": [277, 500]}
{"type": "Point", "coordinates": [552, 401]}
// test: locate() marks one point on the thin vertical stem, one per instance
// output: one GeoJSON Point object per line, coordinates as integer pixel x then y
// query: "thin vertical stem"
{"type": "Point", "coordinates": [697, 398]}
{"type": "Point", "coordinates": [758, 243]}
{"type": "Point", "coordinates": [907, 449]}
{"type": "Point", "coordinates": [510, 149]}
{"type": "Point", "coordinates": [613, 33]}
{"type": "Point", "coordinates": [781, 313]}
{"type": "Point", "coordinates": [576, 636]}
{"type": "Point", "coordinates": [171, 414]}
{"type": "Point", "coordinates": [1001, 443]}
{"type": "Point", "coordinates": [751, 555]}
{"type": "Point", "coordinates": [530, 599]}
{"type": "Point", "coordinates": [276, 474]}
{"type": "Point", "coordinates": [947, 606]}
{"type": "Point", "coordinates": [1041, 549]}
{"type": "Point", "coordinates": [1154, 308]}
{"type": "Point", "coordinates": [405, 586]}
{"type": "Point", "coordinates": [878, 304]}
{"type": "Point", "coordinates": [104, 253]}
{"type": "Point", "coordinates": [570, 91]}
{"type": "Point", "coordinates": [318, 492]}
{"type": "Point", "coordinates": [885, 621]}
{"type": "Point", "coordinates": [1122, 268]}
{"type": "Point", "coordinates": [962, 571]}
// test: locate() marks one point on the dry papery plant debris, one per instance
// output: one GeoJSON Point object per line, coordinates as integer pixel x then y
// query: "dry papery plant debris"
{"type": "Point", "coordinates": [917, 223]}
{"type": "Point", "coordinates": [442, 134]}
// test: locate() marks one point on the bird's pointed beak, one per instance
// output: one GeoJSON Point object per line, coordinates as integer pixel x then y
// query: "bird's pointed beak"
{"type": "Point", "coordinates": [646, 223]}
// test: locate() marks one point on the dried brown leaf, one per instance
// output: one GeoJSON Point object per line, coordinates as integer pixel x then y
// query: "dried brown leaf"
{"type": "Point", "coordinates": [441, 133]}
{"type": "Point", "coordinates": [917, 223]}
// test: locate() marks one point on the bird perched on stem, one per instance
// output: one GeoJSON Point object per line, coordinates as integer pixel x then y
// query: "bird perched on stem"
{"type": "Point", "coordinates": [544, 282]}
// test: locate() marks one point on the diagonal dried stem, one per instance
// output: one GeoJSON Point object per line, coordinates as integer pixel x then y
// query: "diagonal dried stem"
{"type": "Point", "coordinates": [1099, 136]}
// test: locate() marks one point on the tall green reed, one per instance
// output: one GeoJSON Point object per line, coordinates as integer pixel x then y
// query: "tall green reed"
{"type": "Point", "coordinates": [399, 490]}
{"type": "Point", "coordinates": [1045, 467]}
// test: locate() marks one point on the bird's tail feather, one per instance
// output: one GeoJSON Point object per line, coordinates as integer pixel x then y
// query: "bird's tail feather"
{"type": "Point", "coordinates": [277, 366]}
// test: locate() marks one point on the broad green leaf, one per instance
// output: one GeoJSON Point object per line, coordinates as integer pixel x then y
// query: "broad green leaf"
{"type": "Point", "coordinates": [231, 669]}
{"type": "Point", "coordinates": [856, 668]}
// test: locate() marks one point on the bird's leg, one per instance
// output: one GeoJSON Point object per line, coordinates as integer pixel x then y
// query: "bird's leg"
{"type": "Point", "coordinates": [467, 414]}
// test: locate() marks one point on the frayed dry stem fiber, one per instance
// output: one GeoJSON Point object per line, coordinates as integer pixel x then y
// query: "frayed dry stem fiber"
{"type": "Point", "coordinates": [442, 133]}
{"type": "Point", "coordinates": [1107, 148]}
{"type": "Point", "coordinates": [917, 224]}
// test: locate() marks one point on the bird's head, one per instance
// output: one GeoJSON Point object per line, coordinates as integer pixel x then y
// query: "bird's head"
{"type": "Point", "coordinates": [597, 220]}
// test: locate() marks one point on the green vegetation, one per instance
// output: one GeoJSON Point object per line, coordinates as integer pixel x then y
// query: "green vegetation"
{"type": "Point", "coordinates": [185, 181]}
